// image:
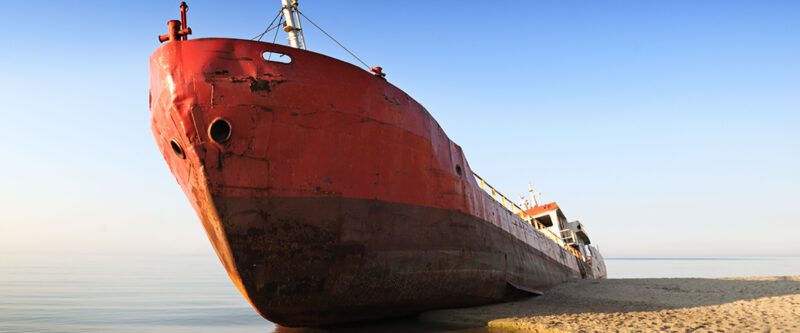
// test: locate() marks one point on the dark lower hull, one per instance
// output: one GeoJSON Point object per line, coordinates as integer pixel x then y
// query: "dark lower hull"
{"type": "Point", "coordinates": [318, 261]}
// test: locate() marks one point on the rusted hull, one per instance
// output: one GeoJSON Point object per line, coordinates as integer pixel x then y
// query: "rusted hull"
{"type": "Point", "coordinates": [337, 197]}
{"type": "Point", "coordinates": [311, 261]}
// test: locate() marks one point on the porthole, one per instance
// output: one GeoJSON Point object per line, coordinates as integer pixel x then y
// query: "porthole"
{"type": "Point", "coordinates": [176, 148]}
{"type": "Point", "coordinates": [220, 130]}
{"type": "Point", "coordinates": [458, 170]}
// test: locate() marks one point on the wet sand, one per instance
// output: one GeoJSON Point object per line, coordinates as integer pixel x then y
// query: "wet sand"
{"type": "Point", "coordinates": [757, 304]}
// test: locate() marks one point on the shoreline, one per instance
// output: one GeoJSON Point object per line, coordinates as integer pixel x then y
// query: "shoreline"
{"type": "Point", "coordinates": [768, 304]}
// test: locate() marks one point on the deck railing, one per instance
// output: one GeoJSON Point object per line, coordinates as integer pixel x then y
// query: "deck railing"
{"type": "Point", "coordinates": [517, 210]}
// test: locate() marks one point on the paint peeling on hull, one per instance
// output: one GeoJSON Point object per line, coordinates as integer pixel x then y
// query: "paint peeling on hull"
{"type": "Point", "coordinates": [315, 261]}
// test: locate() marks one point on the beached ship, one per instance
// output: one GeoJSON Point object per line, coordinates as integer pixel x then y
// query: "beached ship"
{"type": "Point", "coordinates": [332, 196]}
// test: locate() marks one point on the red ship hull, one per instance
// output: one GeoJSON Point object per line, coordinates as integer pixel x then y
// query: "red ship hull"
{"type": "Point", "coordinates": [337, 197]}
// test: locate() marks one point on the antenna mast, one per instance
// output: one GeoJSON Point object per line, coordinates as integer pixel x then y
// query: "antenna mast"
{"type": "Point", "coordinates": [535, 196]}
{"type": "Point", "coordinates": [292, 24]}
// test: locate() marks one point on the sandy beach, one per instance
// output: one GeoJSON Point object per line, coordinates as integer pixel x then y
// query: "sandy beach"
{"type": "Point", "coordinates": [757, 304]}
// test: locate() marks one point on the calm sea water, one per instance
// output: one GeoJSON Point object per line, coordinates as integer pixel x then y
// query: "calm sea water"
{"type": "Point", "coordinates": [152, 293]}
{"type": "Point", "coordinates": [121, 294]}
{"type": "Point", "coordinates": [701, 267]}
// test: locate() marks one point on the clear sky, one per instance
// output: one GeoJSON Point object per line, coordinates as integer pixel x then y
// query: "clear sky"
{"type": "Point", "coordinates": [670, 128]}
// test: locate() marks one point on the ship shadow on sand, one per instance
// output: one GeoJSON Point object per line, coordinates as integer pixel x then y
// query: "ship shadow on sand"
{"type": "Point", "coordinates": [583, 297]}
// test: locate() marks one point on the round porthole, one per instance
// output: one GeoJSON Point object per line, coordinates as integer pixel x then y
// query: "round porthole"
{"type": "Point", "coordinates": [458, 170]}
{"type": "Point", "coordinates": [220, 130]}
{"type": "Point", "coordinates": [176, 148]}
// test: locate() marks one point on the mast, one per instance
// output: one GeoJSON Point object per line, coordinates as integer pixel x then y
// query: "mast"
{"type": "Point", "coordinates": [292, 24]}
{"type": "Point", "coordinates": [536, 197]}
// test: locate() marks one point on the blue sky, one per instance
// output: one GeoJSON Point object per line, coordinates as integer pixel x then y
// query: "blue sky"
{"type": "Point", "coordinates": [668, 128]}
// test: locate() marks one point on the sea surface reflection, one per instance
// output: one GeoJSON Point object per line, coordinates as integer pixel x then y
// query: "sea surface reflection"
{"type": "Point", "coordinates": [139, 293]}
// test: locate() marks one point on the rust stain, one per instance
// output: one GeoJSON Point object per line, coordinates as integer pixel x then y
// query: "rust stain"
{"type": "Point", "coordinates": [263, 85]}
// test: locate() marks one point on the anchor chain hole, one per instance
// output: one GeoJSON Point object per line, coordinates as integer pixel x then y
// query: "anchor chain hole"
{"type": "Point", "coordinates": [220, 130]}
{"type": "Point", "coordinates": [176, 148]}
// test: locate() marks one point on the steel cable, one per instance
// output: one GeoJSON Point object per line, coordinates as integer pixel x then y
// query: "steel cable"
{"type": "Point", "coordinates": [269, 27]}
{"type": "Point", "coordinates": [334, 40]}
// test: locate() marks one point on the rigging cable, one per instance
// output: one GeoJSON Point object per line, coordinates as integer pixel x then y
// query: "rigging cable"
{"type": "Point", "coordinates": [334, 40]}
{"type": "Point", "coordinates": [269, 57]}
{"type": "Point", "coordinates": [269, 27]}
